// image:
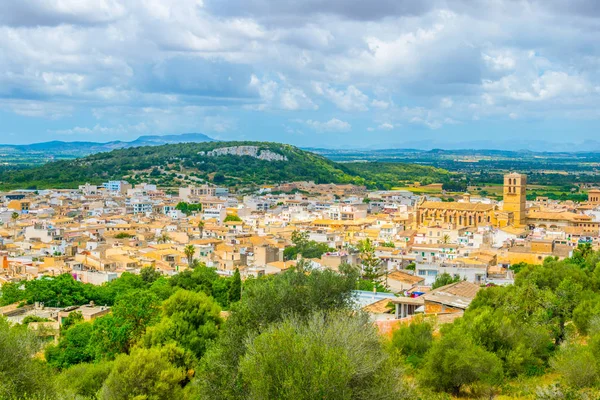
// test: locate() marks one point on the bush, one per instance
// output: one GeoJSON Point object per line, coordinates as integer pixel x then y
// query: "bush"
{"type": "Point", "coordinates": [329, 356]}
{"type": "Point", "coordinates": [577, 365]}
{"type": "Point", "coordinates": [414, 340]}
{"type": "Point", "coordinates": [455, 361]}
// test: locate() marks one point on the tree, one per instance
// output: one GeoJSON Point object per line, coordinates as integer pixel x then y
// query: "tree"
{"type": "Point", "coordinates": [233, 218]}
{"type": "Point", "coordinates": [72, 348]}
{"type": "Point", "coordinates": [144, 374]}
{"type": "Point", "coordinates": [149, 274]}
{"type": "Point", "coordinates": [201, 229]}
{"type": "Point", "coordinates": [14, 216]}
{"type": "Point", "coordinates": [189, 251]}
{"type": "Point", "coordinates": [74, 318]}
{"type": "Point", "coordinates": [235, 290]}
{"type": "Point", "coordinates": [163, 238]}
{"type": "Point", "coordinates": [22, 375]}
{"type": "Point", "coordinates": [267, 301]}
{"type": "Point", "coordinates": [455, 361]}
{"type": "Point", "coordinates": [371, 264]}
{"type": "Point", "coordinates": [83, 380]}
{"type": "Point", "coordinates": [577, 365]}
{"type": "Point", "coordinates": [321, 361]}
{"type": "Point", "coordinates": [414, 340]}
{"type": "Point", "coordinates": [306, 248]}
{"type": "Point", "coordinates": [190, 320]}
{"type": "Point", "coordinates": [117, 332]}
{"type": "Point", "coordinates": [444, 279]}
{"type": "Point", "coordinates": [187, 208]}
{"type": "Point", "coordinates": [446, 239]}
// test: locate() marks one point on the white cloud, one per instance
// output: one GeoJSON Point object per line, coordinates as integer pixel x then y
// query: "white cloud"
{"type": "Point", "coordinates": [281, 95]}
{"type": "Point", "coordinates": [351, 99]}
{"type": "Point", "coordinates": [102, 130]}
{"type": "Point", "coordinates": [448, 62]}
{"type": "Point", "coordinates": [446, 102]}
{"type": "Point", "coordinates": [381, 104]}
{"type": "Point", "coordinates": [386, 126]}
{"type": "Point", "coordinates": [333, 125]}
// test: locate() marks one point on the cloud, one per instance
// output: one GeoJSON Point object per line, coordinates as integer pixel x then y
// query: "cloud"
{"type": "Point", "coordinates": [280, 95]}
{"type": "Point", "coordinates": [446, 102]}
{"type": "Point", "coordinates": [333, 125]}
{"type": "Point", "coordinates": [101, 130]}
{"type": "Point", "coordinates": [351, 99]}
{"type": "Point", "coordinates": [386, 126]}
{"type": "Point", "coordinates": [219, 65]}
{"type": "Point", "coordinates": [381, 104]}
{"type": "Point", "coordinates": [57, 12]}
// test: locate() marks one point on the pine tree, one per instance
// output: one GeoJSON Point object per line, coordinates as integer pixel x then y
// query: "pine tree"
{"type": "Point", "coordinates": [235, 290]}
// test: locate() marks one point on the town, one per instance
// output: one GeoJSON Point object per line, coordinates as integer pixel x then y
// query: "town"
{"type": "Point", "coordinates": [96, 233]}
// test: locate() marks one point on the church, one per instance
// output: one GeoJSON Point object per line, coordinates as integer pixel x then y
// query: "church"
{"type": "Point", "coordinates": [468, 214]}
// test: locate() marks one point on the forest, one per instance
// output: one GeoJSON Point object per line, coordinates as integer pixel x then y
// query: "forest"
{"type": "Point", "coordinates": [297, 335]}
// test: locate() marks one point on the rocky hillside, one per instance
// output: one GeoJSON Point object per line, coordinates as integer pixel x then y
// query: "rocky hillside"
{"type": "Point", "coordinates": [223, 163]}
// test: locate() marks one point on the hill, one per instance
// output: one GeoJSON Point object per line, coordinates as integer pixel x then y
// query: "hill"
{"type": "Point", "coordinates": [223, 163]}
{"type": "Point", "coordinates": [39, 153]}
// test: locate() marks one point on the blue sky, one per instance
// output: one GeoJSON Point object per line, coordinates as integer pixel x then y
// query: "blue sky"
{"type": "Point", "coordinates": [335, 73]}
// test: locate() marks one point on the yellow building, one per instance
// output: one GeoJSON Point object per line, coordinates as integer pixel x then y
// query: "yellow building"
{"type": "Point", "coordinates": [468, 214]}
{"type": "Point", "coordinates": [515, 200]}
{"type": "Point", "coordinates": [459, 215]}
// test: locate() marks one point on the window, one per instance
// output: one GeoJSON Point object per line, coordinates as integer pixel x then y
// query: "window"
{"type": "Point", "coordinates": [431, 272]}
{"type": "Point", "coordinates": [422, 272]}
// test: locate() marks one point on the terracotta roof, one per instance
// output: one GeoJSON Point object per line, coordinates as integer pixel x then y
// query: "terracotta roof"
{"type": "Point", "coordinates": [440, 205]}
{"type": "Point", "coordinates": [404, 277]}
{"type": "Point", "coordinates": [458, 295]}
{"type": "Point", "coordinates": [558, 216]}
{"type": "Point", "coordinates": [379, 307]}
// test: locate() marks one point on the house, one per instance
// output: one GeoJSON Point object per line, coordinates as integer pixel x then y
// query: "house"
{"type": "Point", "coordinates": [399, 281]}
{"type": "Point", "coordinates": [451, 298]}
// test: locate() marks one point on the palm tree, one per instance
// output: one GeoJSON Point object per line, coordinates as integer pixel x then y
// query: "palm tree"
{"type": "Point", "coordinates": [163, 238]}
{"type": "Point", "coordinates": [189, 251]}
{"type": "Point", "coordinates": [201, 228]}
{"type": "Point", "coordinates": [446, 239]}
{"type": "Point", "coordinates": [14, 216]}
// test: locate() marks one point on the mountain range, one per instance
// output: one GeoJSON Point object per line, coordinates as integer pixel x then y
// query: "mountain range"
{"type": "Point", "coordinates": [60, 149]}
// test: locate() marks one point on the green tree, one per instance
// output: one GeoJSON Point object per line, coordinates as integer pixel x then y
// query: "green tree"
{"type": "Point", "coordinates": [144, 374]}
{"type": "Point", "coordinates": [371, 264]}
{"type": "Point", "coordinates": [200, 229]}
{"type": "Point", "coordinates": [576, 365]}
{"type": "Point", "coordinates": [117, 332]}
{"type": "Point", "coordinates": [149, 274]}
{"type": "Point", "coordinates": [190, 320]}
{"type": "Point", "coordinates": [444, 279]}
{"type": "Point", "coordinates": [235, 290]}
{"type": "Point", "coordinates": [21, 374]}
{"type": "Point", "coordinates": [14, 217]}
{"type": "Point", "coordinates": [74, 318]}
{"type": "Point", "coordinates": [72, 348]}
{"type": "Point", "coordinates": [83, 380]}
{"type": "Point", "coordinates": [321, 361]}
{"type": "Point", "coordinates": [454, 361]}
{"type": "Point", "coordinates": [266, 301]}
{"type": "Point", "coordinates": [189, 251]}
{"type": "Point", "coordinates": [413, 340]}
{"type": "Point", "coordinates": [233, 218]}
{"type": "Point", "coordinates": [163, 238]}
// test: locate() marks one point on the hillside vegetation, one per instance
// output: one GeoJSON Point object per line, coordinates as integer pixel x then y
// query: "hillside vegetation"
{"type": "Point", "coordinates": [177, 164]}
{"type": "Point", "coordinates": [296, 335]}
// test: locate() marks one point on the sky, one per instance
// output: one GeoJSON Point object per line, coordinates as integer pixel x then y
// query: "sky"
{"type": "Point", "coordinates": [331, 73]}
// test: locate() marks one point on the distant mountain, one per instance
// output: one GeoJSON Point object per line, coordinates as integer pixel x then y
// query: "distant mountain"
{"type": "Point", "coordinates": [38, 153]}
{"type": "Point", "coordinates": [222, 163]}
